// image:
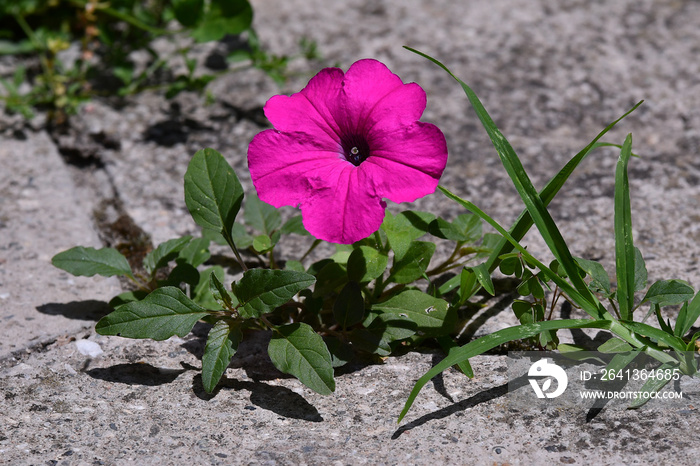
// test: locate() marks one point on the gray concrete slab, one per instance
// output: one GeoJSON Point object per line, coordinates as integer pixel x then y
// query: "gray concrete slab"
{"type": "Point", "coordinates": [552, 74]}
{"type": "Point", "coordinates": [40, 215]}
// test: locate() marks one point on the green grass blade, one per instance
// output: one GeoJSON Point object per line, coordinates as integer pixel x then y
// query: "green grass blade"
{"type": "Point", "coordinates": [624, 244]}
{"type": "Point", "coordinates": [535, 205]}
{"type": "Point", "coordinates": [488, 342]}
{"type": "Point", "coordinates": [594, 310]}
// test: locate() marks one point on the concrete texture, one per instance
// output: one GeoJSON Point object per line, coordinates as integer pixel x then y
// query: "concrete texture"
{"type": "Point", "coordinates": [552, 74]}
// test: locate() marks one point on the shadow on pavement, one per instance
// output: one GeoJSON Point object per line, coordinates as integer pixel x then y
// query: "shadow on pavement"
{"type": "Point", "coordinates": [80, 310]}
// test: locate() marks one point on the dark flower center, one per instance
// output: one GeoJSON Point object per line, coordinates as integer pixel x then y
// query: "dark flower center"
{"type": "Point", "coordinates": [355, 149]}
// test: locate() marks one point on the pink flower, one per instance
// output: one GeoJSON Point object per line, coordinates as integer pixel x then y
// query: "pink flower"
{"type": "Point", "coordinates": [342, 145]}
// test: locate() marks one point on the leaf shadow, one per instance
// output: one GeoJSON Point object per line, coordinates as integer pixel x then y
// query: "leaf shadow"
{"type": "Point", "coordinates": [79, 310]}
{"type": "Point", "coordinates": [136, 374]}
{"type": "Point", "coordinates": [280, 400]}
{"type": "Point", "coordinates": [471, 402]}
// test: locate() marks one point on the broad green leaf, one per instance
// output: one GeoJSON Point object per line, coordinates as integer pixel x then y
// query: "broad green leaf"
{"type": "Point", "coordinates": [295, 226]}
{"type": "Point", "coordinates": [162, 314]}
{"type": "Point", "coordinates": [260, 215]}
{"type": "Point", "coordinates": [202, 292]}
{"type": "Point", "coordinates": [341, 352]}
{"type": "Point", "coordinates": [222, 344]}
{"type": "Point", "coordinates": [262, 244]}
{"type": "Point", "coordinates": [349, 307]}
{"type": "Point", "coordinates": [127, 297]}
{"type": "Point", "coordinates": [164, 253]}
{"type": "Point", "coordinates": [687, 316]}
{"type": "Point", "coordinates": [241, 237]}
{"type": "Point", "coordinates": [414, 262]}
{"type": "Point", "coordinates": [213, 193]}
{"type": "Point", "coordinates": [261, 291]}
{"type": "Point", "coordinates": [484, 277]}
{"type": "Point", "coordinates": [405, 227]}
{"type": "Point", "coordinates": [640, 271]}
{"type": "Point", "coordinates": [624, 244]}
{"type": "Point", "coordinates": [369, 342]}
{"type": "Point", "coordinates": [297, 350]}
{"type": "Point", "coordinates": [330, 276]}
{"type": "Point", "coordinates": [182, 273]}
{"type": "Point", "coordinates": [365, 264]}
{"type": "Point", "coordinates": [430, 314]}
{"type": "Point", "coordinates": [219, 292]}
{"type": "Point", "coordinates": [188, 12]}
{"type": "Point", "coordinates": [465, 228]}
{"type": "Point", "coordinates": [492, 340]}
{"type": "Point", "coordinates": [600, 281]}
{"type": "Point", "coordinates": [669, 293]}
{"type": "Point", "coordinates": [294, 265]}
{"type": "Point", "coordinates": [392, 327]}
{"type": "Point", "coordinates": [224, 17]}
{"type": "Point", "coordinates": [86, 262]}
{"type": "Point", "coordinates": [196, 252]}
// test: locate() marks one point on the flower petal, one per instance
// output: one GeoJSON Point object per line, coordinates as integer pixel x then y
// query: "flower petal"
{"type": "Point", "coordinates": [407, 163]}
{"type": "Point", "coordinates": [347, 211]}
{"type": "Point", "coordinates": [287, 167]}
{"type": "Point", "coordinates": [310, 111]}
{"type": "Point", "coordinates": [365, 85]}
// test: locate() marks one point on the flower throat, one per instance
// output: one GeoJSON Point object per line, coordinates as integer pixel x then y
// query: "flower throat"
{"type": "Point", "coordinates": [355, 149]}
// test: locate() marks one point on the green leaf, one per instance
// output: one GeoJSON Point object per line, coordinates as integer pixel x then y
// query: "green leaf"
{"type": "Point", "coordinates": [330, 277]}
{"type": "Point", "coordinates": [224, 17]}
{"type": "Point", "coordinates": [262, 244]}
{"type": "Point", "coordinates": [687, 316]}
{"type": "Point", "coordinates": [261, 291]}
{"type": "Point", "coordinates": [465, 228]}
{"type": "Point", "coordinates": [219, 292]}
{"type": "Point", "coordinates": [213, 193]}
{"type": "Point", "coordinates": [196, 252]}
{"type": "Point", "coordinates": [656, 334]}
{"type": "Point", "coordinates": [188, 12]}
{"type": "Point", "coordinates": [430, 314]}
{"type": "Point", "coordinates": [349, 307]}
{"type": "Point", "coordinates": [391, 327]}
{"type": "Point", "coordinates": [86, 262]}
{"type": "Point", "coordinates": [241, 237]}
{"type": "Point", "coordinates": [222, 344]}
{"type": "Point", "coordinates": [202, 292]}
{"type": "Point", "coordinates": [405, 227]}
{"type": "Point", "coordinates": [162, 314]}
{"type": "Point", "coordinates": [492, 340]}
{"type": "Point", "coordinates": [615, 345]}
{"type": "Point", "coordinates": [669, 292]}
{"type": "Point", "coordinates": [449, 345]}
{"type": "Point", "coordinates": [164, 253]}
{"type": "Point", "coordinates": [484, 277]}
{"type": "Point", "coordinates": [640, 271]}
{"type": "Point", "coordinates": [297, 350]}
{"type": "Point", "coordinates": [600, 281]}
{"type": "Point", "coordinates": [652, 385]}
{"type": "Point", "coordinates": [413, 264]}
{"type": "Point", "coordinates": [295, 226]}
{"type": "Point", "coordinates": [366, 263]}
{"type": "Point", "coordinates": [127, 297]}
{"type": "Point", "coordinates": [624, 244]}
{"type": "Point", "coordinates": [261, 215]}
{"type": "Point", "coordinates": [341, 352]}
